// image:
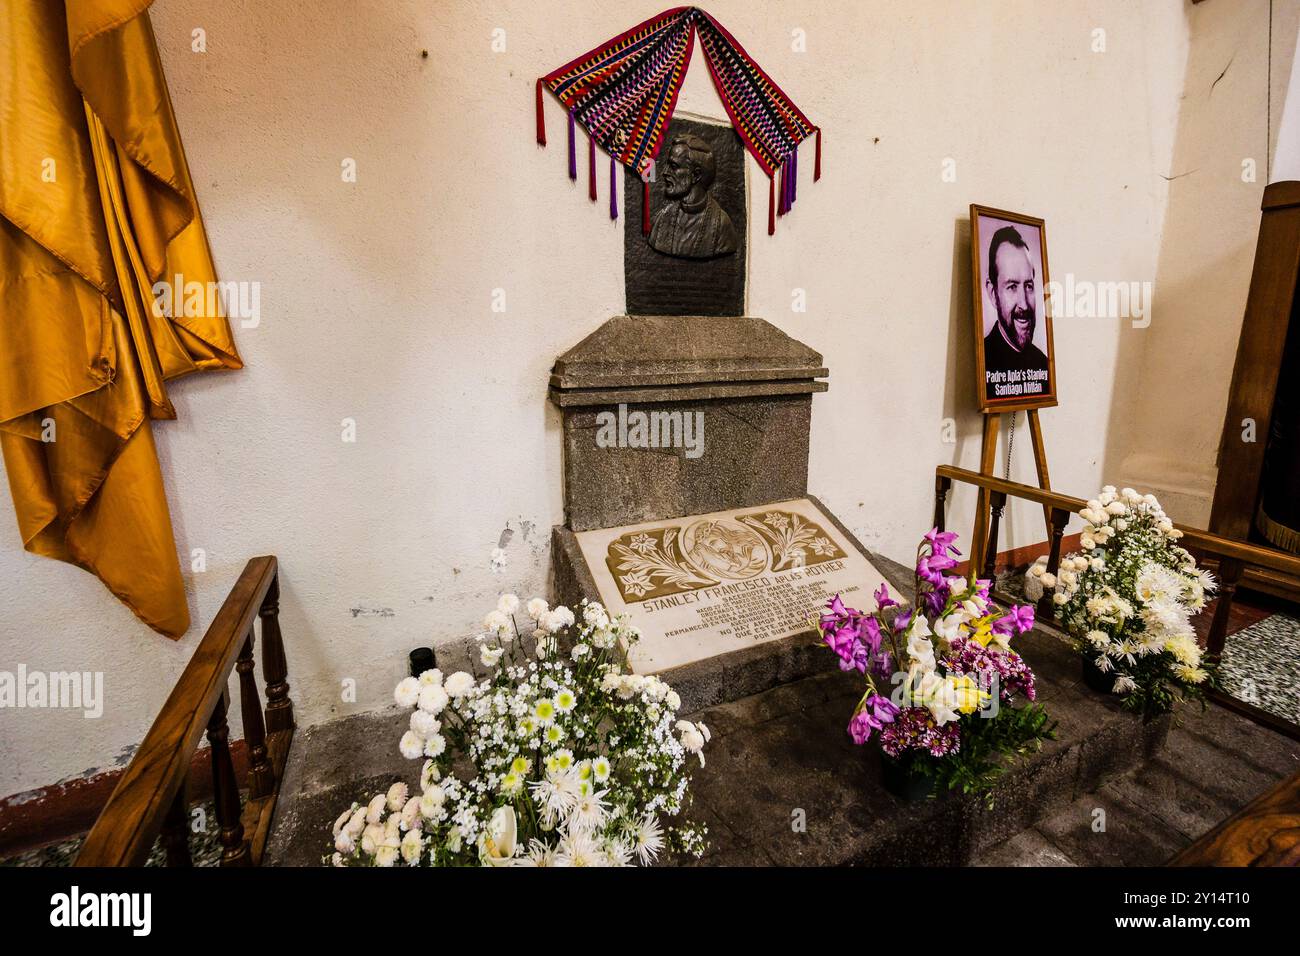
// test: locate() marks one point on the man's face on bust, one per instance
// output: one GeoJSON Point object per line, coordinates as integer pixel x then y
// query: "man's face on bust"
{"type": "Point", "coordinates": [1014, 294]}
{"type": "Point", "coordinates": [680, 172]}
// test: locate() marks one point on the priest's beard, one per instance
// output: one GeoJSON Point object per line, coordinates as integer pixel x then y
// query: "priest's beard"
{"type": "Point", "coordinates": [1019, 325]}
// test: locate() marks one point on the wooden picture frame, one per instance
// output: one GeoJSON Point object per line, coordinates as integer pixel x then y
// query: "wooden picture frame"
{"type": "Point", "coordinates": [1022, 374]}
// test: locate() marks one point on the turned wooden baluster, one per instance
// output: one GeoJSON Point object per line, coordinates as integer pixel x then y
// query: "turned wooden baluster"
{"type": "Point", "coordinates": [225, 790]}
{"type": "Point", "coordinates": [261, 778]}
{"type": "Point", "coordinates": [1230, 570]}
{"type": "Point", "coordinates": [941, 487]}
{"type": "Point", "coordinates": [997, 502]}
{"type": "Point", "coordinates": [279, 708]}
{"type": "Point", "coordinates": [176, 828]}
{"type": "Point", "coordinates": [1060, 518]}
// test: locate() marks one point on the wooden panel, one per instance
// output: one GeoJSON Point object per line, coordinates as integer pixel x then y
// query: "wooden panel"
{"type": "Point", "coordinates": [125, 831]}
{"type": "Point", "coordinates": [1266, 832]}
{"type": "Point", "coordinates": [1259, 361]}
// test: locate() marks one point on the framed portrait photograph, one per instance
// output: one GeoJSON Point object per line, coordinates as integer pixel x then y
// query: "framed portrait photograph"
{"type": "Point", "coordinates": [1015, 361]}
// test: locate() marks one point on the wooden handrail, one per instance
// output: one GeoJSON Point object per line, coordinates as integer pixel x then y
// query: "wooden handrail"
{"type": "Point", "coordinates": [1193, 538]}
{"type": "Point", "coordinates": [1234, 558]}
{"type": "Point", "coordinates": [152, 792]}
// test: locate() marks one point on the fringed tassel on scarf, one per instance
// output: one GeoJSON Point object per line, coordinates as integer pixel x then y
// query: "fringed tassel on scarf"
{"type": "Point", "coordinates": [541, 117]}
{"type": "Point", "coordinates": [645, 207]}
{"type": "Point", "coordinates": [771, 204]}
{"type": "Point", "coordinates": [591, 168]}
{"type": "Point", "coordinates": [573, 149]}
{"type": "Point", "coordinates": [613, 191]}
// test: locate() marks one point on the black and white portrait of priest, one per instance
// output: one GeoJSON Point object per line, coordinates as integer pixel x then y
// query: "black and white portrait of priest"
{"type": "Point", "coordinates": [1015, 330]}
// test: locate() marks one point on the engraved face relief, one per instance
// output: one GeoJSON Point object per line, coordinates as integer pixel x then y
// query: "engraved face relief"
{"type": "Point", "coordinates": [691, 224]}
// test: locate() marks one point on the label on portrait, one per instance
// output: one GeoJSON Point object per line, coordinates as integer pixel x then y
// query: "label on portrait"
{"type": "Point", "coordinates": [708, 584]}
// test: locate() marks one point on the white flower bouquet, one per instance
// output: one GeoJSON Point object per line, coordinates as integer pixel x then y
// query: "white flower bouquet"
{"type": "Point", "coordinates": [550, 761]}
{"type": "Point", "coordinates": [1128, 599]}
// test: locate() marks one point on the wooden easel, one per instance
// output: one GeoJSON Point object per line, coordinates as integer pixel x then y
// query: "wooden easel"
{"type": "Point", "coordinates": [994, 501]}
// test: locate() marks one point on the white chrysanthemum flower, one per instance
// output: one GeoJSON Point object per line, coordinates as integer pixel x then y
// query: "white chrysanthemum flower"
{"type": "Point", "coordinates": [647, 839]}
{"type": "Point", "coordinates": [536, 608]}
{"type": "Point", "coordinates": [435, 745]}
{"type": "Point", "coordinates": [432, 676]}
{"type": "Point", "coordinates": [497, 623]}
{"type": "Point", "coordinates": [396, 796]}
{"type": "Point", "coordinates": [376, 807]}
{"type": "Point", "coordinates": [411, 847]}
{"type": "Point", "coordinates": [459, 684]}
{"type": "Point", "coordinates": [1124, 684]}
{"type": "Point", "coordinates": [411, 814]}
{"type": "Point", "coordinates": [673, 701]}
{"type": "Point", "coordinates": [429, 774]}
{"type": "Point", "coordinates": [565, 700]}
{"type": "Point", "coordinates": [1191, 675]}
{"type": "Point", "coordinates": [343, 819]}
{"type": "Point", "coordinates": [600, 769]}
{"type": "Point", "coordinates": [579, 849]}
{"type": "Point", "coordinates": [372, 837]}
{"type": "Point", "coordinates": [553, 735]}
{"type": "Point", "coordinates": [345, 843]}
{"type": "Point", "coordinates": [1098, 639]}
{"type": "Point", "coordinates": [580, 651]}
{"type": "Point", "coordinates": [589, 811]}
{"type": "Point", "coordinates": [411, 745]}
{"type": "Point", "coordinates": [538, 854]}
{"type": "Point", "coordinates": [559, 618]}
{"type": "Point", "coordinates": [507, 604]}
{"type": "Point", "coordinates": [386, 856]}
{"type": "Point", "coordinates": [424, 723]}
{"type": "Point", "coordinates": [490, 656]}
{"type": "Point", "coordinates": [554, 795]}
{"type": "Point", "coordinates": [407, 692]}
{"type": "Point", "coordinates": [433, 699]}
{"type": "Point", "coordinates": [431, 802]}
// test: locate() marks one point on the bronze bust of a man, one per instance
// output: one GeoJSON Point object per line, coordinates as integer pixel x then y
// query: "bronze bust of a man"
{"type": "Point", "coordinates": [691, 224]}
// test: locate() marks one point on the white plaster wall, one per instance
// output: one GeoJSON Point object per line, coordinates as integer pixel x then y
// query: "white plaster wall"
{"type": "Point", "coordinates": [1173, 376]}
{"type": "Point", "coordinates": [376, 300]}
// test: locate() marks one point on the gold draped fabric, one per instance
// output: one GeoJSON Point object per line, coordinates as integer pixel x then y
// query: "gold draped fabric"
{"type": "Point", "coordinates": [96, 207]}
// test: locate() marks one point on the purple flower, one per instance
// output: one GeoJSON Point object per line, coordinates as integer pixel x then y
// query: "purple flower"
{"type": "Point", "coordinates": [883, 600]}
{"type": "Point", "coordinates": [876, 712]}
{"type": "Point", "coordinates": [1018, 620]}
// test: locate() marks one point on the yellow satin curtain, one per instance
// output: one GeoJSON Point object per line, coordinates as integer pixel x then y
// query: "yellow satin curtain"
{"type": "Point", "coordinates": [96, 207]}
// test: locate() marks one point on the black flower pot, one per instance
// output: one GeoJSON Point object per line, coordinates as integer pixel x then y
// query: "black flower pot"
{"type": "Point", "coordinates": [1094, 677]}
{"type": "Point", "coordinates": [902, 779]}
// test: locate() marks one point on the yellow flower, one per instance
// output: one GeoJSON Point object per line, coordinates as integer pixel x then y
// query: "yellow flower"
{"type": "Point", "coordinates": [967, 693]}
{"type": "Point", "coordinates": [982, 630]}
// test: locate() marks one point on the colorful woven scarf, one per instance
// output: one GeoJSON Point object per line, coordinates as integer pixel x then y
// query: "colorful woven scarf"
{"type": "Point", "coordinates": [624, 91]}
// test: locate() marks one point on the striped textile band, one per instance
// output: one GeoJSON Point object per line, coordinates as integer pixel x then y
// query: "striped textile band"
{"type": "Point", "coordinates": [624, 91]}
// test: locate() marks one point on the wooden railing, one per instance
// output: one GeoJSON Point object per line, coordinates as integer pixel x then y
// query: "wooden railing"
{"type": "Point", "coordinates": [152, 797]}
{"type": "Point", "coordinates": [1233, 557]}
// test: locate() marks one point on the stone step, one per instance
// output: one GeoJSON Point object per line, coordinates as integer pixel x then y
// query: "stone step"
{"type": "Point", "coordinates": [777, 756]}
{"type": "Point", "coordinates": [783, 756]}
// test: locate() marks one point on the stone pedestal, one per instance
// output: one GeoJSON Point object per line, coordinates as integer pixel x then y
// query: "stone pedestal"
{"type": "Point", "coordinates": [747, 382]}
{"type": "Point", "coordinates": [686, 499]}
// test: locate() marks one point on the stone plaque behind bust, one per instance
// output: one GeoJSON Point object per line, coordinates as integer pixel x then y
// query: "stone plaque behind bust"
{"type": "Point", "coordinates": [693, 261]}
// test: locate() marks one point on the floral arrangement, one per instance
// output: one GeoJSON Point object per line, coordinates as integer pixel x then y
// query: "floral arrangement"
{"type": "Point", "coordinates": [552, 760]}
{"type": "Point", "coordinates": [952, 670]}
{"type": "Point", "coordinates": [1128, 599]}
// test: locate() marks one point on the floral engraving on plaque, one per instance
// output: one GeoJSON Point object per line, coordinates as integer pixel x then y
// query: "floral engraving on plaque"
{"type": "Point", "coordinates": [649, 564]}
{"type": "Point", "coordinates": [795, 541]}
{"type": "Point", "coordinates": [710, 551]}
